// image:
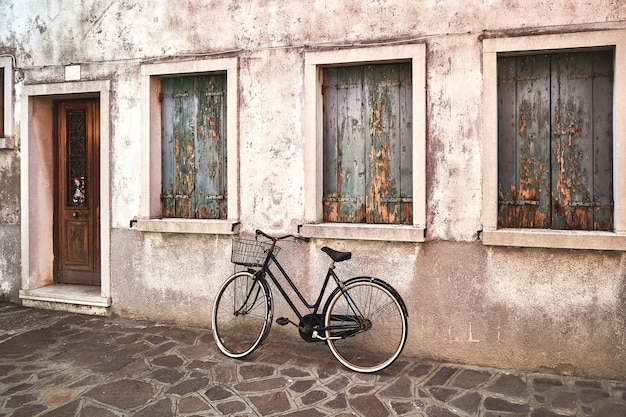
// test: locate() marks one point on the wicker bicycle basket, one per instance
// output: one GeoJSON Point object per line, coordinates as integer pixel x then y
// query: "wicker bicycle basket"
{"type": "Point", "coordinates": [250, 253]}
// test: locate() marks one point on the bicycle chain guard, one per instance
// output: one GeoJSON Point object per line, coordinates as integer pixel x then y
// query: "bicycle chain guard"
{"type": "Point", "coordinates": [307, 324]}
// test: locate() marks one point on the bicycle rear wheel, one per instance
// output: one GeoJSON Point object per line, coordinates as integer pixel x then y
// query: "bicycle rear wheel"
{"type": "Point", "coordinates": [366, 325]}
{"type": "Point", "coordinates": [242, 314]}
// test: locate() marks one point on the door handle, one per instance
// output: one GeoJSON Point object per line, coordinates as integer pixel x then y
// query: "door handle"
{"type": "Point", "coordinates": [76, 214]}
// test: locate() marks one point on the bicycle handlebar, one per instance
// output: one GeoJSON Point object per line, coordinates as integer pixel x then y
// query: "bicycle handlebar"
{"type": "Point", "coordinates": [275, 239]}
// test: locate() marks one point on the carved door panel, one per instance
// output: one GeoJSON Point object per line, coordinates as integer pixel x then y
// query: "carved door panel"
{"type": "Point", "coordinates": [77, 214]}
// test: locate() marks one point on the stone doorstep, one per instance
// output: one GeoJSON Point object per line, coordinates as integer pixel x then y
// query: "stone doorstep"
{"type": "Point", "coordinates": [82, 299]}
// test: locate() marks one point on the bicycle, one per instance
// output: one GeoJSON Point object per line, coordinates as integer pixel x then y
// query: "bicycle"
{"type": "Point", "coordinates": [359, 313]}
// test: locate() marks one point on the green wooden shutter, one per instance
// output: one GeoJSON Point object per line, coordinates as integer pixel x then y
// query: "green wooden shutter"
{"type": "Point", "coordinates": [389, 143]}
{"type": "Point", "coordinates": [194, 147]}
{"type": "Point", "coordinates": [368, 144]}
{"type": "Point", "coordinates": [555, 140]}
{"type": "Point", "coordinates": [582, 93]}
{"type": "Point", "coordinates": [1, 102]}
{"type": "Point", "coordinates": [344, 146]}
{"type": "Point", "coordinates": [210, 181]}
{"type": "Point", "coordinates": [524, 141]}
{"type": "Point", "coordinates": [603, 200]}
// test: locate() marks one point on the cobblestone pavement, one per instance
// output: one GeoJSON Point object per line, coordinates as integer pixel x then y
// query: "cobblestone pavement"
{"type": "Point", "coordinates": [57, 364]}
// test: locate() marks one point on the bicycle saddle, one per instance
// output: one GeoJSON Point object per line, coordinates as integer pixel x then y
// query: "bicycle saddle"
{"type": "Point", "coordinates": [336, 255]}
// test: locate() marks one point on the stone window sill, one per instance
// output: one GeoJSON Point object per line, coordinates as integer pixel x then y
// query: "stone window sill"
{"type": "Point", "coordinates": [194, 226]}
{"type": "Point", "coordinates": [380, 232]}
{"type": "Point", "coordinates": [558, 239]}
{"type": "Point", "coordinates": [7, 143]}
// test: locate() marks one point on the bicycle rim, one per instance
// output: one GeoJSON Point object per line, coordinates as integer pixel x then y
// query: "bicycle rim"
{"type": "Point", "coordinates": [383, 332]}
{"type": "Point", "coordinates": [242, 315]}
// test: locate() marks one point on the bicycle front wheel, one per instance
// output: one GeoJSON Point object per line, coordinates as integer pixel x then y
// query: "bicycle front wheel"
{"type": "Point", "coordinates": [242, 314]}
{"type": "Point", "coordinates": [366, 328]}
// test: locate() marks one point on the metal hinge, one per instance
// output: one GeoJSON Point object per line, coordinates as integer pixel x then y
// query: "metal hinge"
{"type": "Point", "coordinates": [396, 200]}
{"type": "Point", "coordinates": [520, 202]}
{"type": "Point", "coordinates": [339, 199]}
{"type": "Point", "coordinates": [174, 196]}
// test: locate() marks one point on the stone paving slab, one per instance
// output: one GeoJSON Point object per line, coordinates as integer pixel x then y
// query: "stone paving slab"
{"type": "Point", "coordinates": [55, 364]}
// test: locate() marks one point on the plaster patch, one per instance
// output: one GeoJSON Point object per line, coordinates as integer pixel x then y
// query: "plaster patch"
{"type": "Point", "coordinates": [72, 73]}
{"type": "Point", "coordinates": [554, 283]}
{"type": "Point", "coordinates": [5, 279]}
{"type": "Point", "coordinates": [180, 265]}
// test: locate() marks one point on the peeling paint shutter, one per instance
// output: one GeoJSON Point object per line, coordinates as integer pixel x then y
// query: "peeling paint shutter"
{"type": "Point", "coordinates": [194, 147]}
{"type": "Point", "coordinates": [524, 141]}
{"type": "Point", "coordinates": [344, 146]}
{"type": "Point", "coordinates": [555, 141]}
{"type": "Point", "coordinates": [1, 102]}
{"type": "Point", "coordinates": [368, 144]}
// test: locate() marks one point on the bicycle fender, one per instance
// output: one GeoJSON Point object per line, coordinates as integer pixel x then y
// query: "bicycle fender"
{"type": "Point", "coordinates": [383, 284]}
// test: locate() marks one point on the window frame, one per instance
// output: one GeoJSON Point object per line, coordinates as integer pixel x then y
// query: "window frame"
{"type": "Point", "coordinates": [151, 219]}
{"type": "Point", "coordinates": [7, 140]}
{"type": "Point", "coordinates": [314, 63]}
{"type": "Point", "coordinates": [548, 238]}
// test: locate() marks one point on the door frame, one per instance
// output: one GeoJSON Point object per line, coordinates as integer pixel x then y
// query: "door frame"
{"type": "Point", "coordinates": [37, 176]}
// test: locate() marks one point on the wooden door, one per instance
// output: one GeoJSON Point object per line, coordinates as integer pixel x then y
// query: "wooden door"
{"type": "Point", "coordinates": [77, 214]}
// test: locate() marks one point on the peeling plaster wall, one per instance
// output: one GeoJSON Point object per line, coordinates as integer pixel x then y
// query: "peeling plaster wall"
{"type": "Point", "coordinates": [453, 163]}
{"type": "Point", "coordinates": [9, 262]}
{"type": "Point", "coordinates": [531, 309]}
{"type": "Point", "coordinates": [9, 224]}
{"type": "Point", "coordinates": [271, 136]}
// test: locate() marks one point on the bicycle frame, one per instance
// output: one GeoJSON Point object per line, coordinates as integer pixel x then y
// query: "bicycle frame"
{"type": "Point", "coordinates": [313, 307]}
{"type": "Point", "coordinates": [348, 330]}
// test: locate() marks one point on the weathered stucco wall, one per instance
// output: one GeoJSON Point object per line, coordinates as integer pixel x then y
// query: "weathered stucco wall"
{"type": "Point", "coordinates": [9, 224]}
{"type": "Point", "coordinates": [563, 312]}
{"type": "Point", "coordinates": [534, 309]}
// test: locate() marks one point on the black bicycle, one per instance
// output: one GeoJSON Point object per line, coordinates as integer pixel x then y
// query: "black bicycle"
{"type": "Point", "coordinates": [364, 320]}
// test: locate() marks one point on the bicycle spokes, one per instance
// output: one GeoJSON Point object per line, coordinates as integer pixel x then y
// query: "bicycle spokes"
{"type": "Point", "coordinates": [365, 326]}
{"type": "Point", "coordinates": [343, 326]}
{"type": "Point", "coordinates": [242, 315]}
{"type": "Point", "coordinates": [250, 301]}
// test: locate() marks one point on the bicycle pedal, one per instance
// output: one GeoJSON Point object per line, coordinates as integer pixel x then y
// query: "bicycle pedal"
{"type": "Point", "coordinates": [282, 321]}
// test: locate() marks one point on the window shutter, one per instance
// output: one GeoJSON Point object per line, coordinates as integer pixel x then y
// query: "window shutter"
{"type": "Point", "coordinates": [1, 102]}
{"type": "Point", "coordinates": [582, 154]}
{"type": "Point", "coordinates": [194, 147]}
{"type": "Point", "coordinates": [178, 132]}
{"type": "Point", "coordinates": [344, 148]}
{"type": "Point", "coordinates": [603, 201]}
{"type": "Point", "coordinates": [389, 143]}
{"type": "Point", "coordinates": [210, 190]}
{"type": "Point", "coordinates": [524, 142]}
{"type": "Point", "coordinates": [368, 144]}
{"type": "Point", "coordinates": [555, 141]}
